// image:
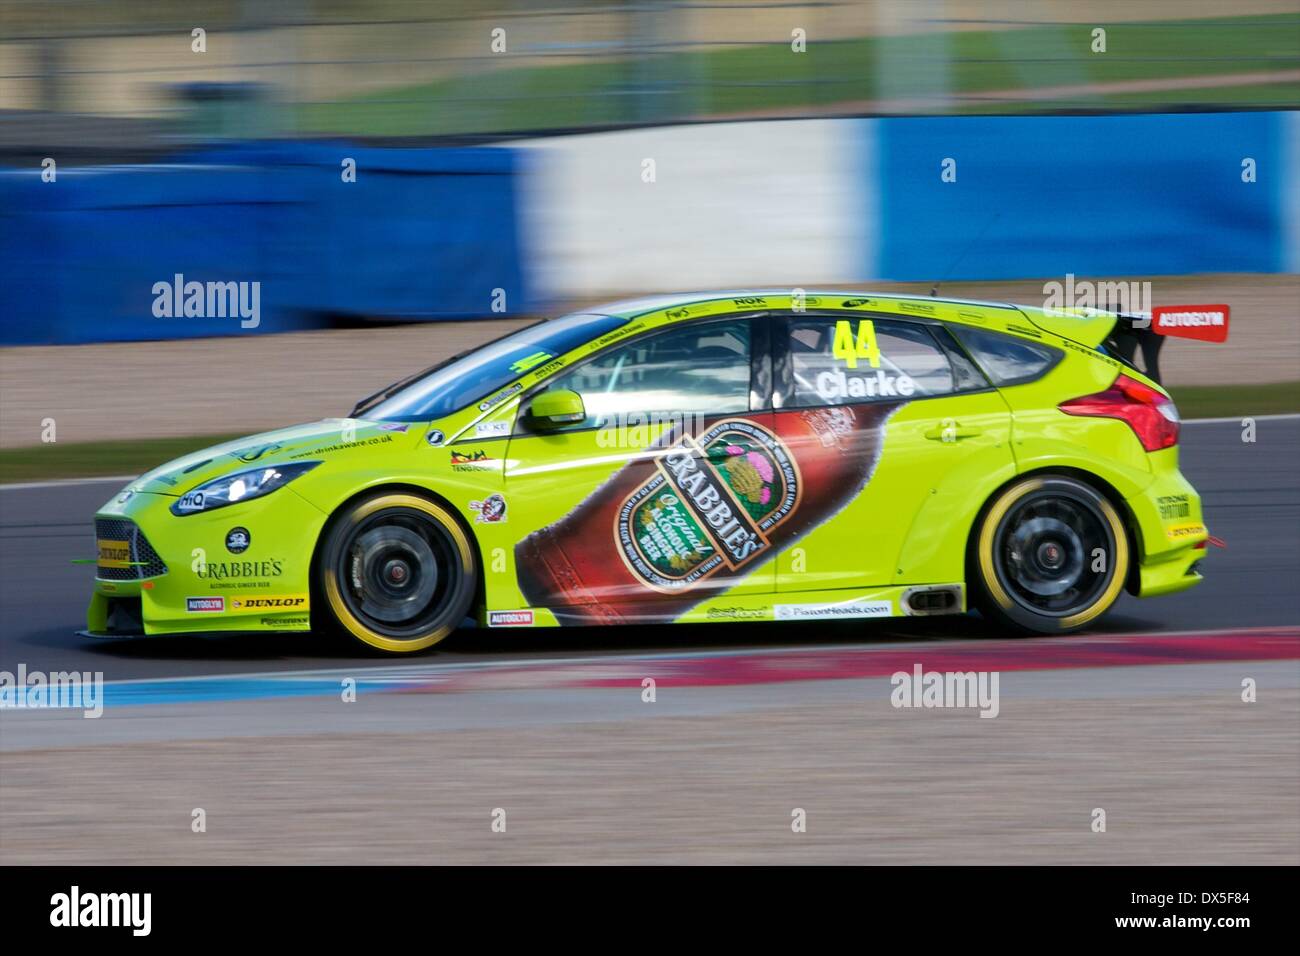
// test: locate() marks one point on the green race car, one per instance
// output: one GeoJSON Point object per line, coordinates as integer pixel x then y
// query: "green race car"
{"type": "Point", "coordinates": [752, 456]}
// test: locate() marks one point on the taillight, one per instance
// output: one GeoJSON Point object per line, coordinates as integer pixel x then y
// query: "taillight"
{"type": "Point", "coordinates": [1151, 414]}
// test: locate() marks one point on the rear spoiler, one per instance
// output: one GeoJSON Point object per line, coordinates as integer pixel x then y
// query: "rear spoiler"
{"type": "Point", "coordinates": [1146, 331]}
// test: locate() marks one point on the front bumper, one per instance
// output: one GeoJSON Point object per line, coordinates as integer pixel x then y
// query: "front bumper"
{"type": "Point", "coordinates": [166, 574]}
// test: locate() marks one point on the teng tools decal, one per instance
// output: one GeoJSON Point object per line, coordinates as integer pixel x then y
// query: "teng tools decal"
{"type": "Point", "coordinates": [1209, 323]}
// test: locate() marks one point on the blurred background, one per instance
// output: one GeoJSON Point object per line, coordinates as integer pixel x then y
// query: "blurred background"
{"type": "Point", "coordinates": [403, 180]}
{"type": "Point", "coordinates": [118, 79]}
{"type": "Point", "coordinates": [377, 164]}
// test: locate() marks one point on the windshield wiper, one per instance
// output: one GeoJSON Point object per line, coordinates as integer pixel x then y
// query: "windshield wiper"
{"type": "Point", "coordinates": [370, 401]}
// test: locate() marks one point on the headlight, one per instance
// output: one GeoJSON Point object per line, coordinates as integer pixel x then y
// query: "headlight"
{"type": "Point", "coordinates": [242, 485]}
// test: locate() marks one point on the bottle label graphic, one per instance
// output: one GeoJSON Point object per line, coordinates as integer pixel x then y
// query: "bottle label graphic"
{"type": "Point", "coordinates": [709, 505]}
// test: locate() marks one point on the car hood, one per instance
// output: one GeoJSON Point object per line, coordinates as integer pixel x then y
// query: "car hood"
{"type": "Point", "coordinates": [328, 439]}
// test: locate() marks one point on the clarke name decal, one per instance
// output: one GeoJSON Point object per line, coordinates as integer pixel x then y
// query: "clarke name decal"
{"type": "Point", "coordinates": [837, 384]}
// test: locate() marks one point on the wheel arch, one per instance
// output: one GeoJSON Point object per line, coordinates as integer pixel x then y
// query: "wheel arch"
{"type": "Point", "coordinates": [1108, 491]}
{"type": "Point", "coordinates": [395, 487]}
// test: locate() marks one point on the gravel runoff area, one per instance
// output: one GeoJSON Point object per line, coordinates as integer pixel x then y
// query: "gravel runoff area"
{"type": "Point", "coordinates": [1186, 779]}
{"type": "Point", "coordinates": [250, 382]}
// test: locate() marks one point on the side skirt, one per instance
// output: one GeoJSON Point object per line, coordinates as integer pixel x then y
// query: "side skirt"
{"type": "Point", "coordinates": [902, 600]}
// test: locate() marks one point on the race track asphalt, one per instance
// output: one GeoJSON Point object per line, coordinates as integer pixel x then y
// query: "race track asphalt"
{"type": "Point", "coordinates": [748, 722]}
{"type": "Point", "coordinates": [1251, 498]}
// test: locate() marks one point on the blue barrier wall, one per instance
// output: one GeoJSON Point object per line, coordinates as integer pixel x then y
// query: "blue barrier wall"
{"type": "Point", "coordinates": [836, 201]}
{"type": "Point", "coordinates": [430, 233]}
{"type": "Point", "coordinates": [421, 234]}
{"type": "Point", "coordinates": [1091, 195]}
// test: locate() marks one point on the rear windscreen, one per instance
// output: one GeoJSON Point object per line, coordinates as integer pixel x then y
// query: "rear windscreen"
{"type": "Point", "coordinates": [1007, 360]}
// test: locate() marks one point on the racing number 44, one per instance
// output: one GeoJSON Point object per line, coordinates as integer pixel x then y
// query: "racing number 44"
{"type": "Point", "coordinates": [849, 347]}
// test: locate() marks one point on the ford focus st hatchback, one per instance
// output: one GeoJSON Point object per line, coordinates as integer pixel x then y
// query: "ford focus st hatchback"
{"type": "Point", "coordinates": [724, 457]}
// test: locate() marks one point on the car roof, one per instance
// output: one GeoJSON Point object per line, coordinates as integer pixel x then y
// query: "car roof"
{"type": "Point", "coordinates": [644, 305]}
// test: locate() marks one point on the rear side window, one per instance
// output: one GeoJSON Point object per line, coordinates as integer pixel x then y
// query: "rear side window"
{"type": "Point", "coordinates": [1007, 360]}
{"type": "Point", "coordinates": [897, 360]}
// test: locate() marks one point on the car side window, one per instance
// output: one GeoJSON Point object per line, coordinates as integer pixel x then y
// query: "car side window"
{"type": "Point", "coordinates": [1008, 360]}
{"type": "Point", "coordinates": [695, 369]}
{"type": "Point", "coordinates": [838, 361]}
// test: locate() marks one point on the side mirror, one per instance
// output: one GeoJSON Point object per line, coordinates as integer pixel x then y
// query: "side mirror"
{"type": "Point", "coordinates": [555, 408]}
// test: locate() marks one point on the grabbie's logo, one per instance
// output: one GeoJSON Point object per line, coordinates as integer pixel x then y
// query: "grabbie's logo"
{"type": "Point", "coordinates": [223, 570]}
{"type": "Point", "coordinates": [711, 504]}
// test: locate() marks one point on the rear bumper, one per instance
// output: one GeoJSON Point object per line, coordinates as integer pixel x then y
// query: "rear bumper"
{"type": "Point", "coordinates": [1169, 531]}
{"type": "Point", "coordinates": [1177, 573]}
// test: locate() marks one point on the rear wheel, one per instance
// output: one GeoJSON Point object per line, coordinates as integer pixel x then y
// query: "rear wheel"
{"type": "Point", "coordinates": [1051, 555]}
{"type": "Point", "coordinates": [398, 572]}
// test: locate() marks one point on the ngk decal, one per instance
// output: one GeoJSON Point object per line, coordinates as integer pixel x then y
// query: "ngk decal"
{"type": "Point", "coordinates": [1206, 322]}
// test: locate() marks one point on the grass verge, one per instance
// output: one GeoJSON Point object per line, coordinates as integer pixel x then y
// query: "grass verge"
{"type": "Point", "coordinates": [1224, 401]}
{"type": "Point", "coordinates": [833, 73]}
{"type": "Point", "coordinates": [133, 457]}
{"type": "Point", "coordinates": [97, 458]}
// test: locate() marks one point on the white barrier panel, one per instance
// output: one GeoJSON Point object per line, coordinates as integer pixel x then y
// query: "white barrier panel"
{"type": "Point", "coordinates": [708, 206]}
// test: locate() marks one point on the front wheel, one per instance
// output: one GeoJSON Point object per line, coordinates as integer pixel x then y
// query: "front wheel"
{"type": "Point", "coordinates": [398, 572]}
{"type": "Point", "coordinates": [1051, 555]}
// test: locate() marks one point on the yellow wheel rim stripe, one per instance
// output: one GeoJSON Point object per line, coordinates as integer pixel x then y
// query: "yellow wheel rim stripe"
{"type": "Point", "coordinates": [339, 606]}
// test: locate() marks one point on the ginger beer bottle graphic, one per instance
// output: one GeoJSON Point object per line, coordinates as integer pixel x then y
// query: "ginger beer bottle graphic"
{"type": "Point", "coordinates": [665, 532]}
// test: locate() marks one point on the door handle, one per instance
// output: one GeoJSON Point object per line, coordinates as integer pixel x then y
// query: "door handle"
{"type": "Point", "coordinates": [951, 431]}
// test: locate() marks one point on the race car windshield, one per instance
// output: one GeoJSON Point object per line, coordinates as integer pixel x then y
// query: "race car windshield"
{"type": "Point", "coordinates": [477, 374]}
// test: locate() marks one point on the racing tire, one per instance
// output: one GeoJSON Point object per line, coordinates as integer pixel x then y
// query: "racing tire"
{"type": "Point", "coordinates": [1050, 555]}
{"type": "Point", "coordinates": [398, 572]}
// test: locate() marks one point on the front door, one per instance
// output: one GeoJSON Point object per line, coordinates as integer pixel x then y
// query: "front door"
{"type": "Point", "coordinates": [644, 508]}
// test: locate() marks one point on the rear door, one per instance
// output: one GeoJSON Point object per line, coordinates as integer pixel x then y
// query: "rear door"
{"type": "Point", "coordinates": [908, 408]}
